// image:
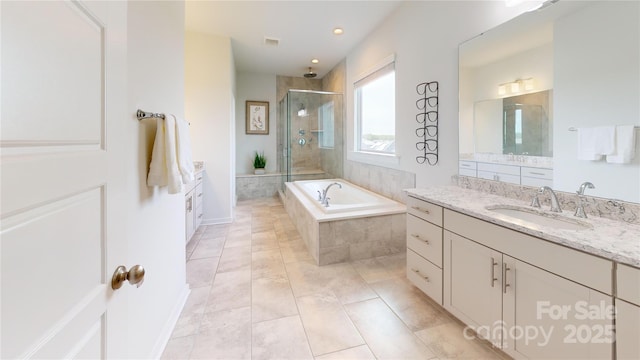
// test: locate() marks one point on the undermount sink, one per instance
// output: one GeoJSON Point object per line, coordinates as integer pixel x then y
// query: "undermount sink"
{"type": "Point", "coordinates": [536, 217]}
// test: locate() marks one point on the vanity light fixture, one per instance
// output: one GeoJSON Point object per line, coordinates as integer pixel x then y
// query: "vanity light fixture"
{"type": "Point", "coordinates": [516, 87]}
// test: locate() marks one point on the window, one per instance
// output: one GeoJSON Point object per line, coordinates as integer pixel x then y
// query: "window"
{"type": "Point", "coordinates": [325, 124]}
{"type": "Point", "coordinates": [375, 106]}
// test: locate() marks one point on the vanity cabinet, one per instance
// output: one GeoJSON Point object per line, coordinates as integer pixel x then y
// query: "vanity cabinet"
{"type": "Point", "coordinates": [529, 297]}
{"type": "Point", "coordinates": [628, 312]}
{"type": "Point", "coordinates": [519, 307]}
{"type": "Point", "coordinates": [424, 247]}
{"type": "Point", "coordinates": [531, 176]}
{"type": "Point", "coordinates": [499, 172]}
{"type": "Point", "coordinates": [514, 174]}
{"type": "Point", "coordinates": [193, 206]}
{"type": "Point", "coordinates": [468, 168]}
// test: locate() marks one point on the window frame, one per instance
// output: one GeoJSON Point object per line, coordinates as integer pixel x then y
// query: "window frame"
{"type": "Point", "coordinates": [384, 68]}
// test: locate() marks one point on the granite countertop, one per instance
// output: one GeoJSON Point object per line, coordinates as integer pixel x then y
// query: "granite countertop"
{"type": "Point", "coordinates": [614, 240]}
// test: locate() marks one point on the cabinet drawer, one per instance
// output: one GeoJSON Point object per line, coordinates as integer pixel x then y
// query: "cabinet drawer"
{"type": "Point", "coordinates": [424, 210]}
{"type": "Point", "coordinates": [539, 173]}
{"type": "Point", "coordinates": [425, 239]}
{"type": "Point", "coordinates": [426, 276]}
{"type": "Point", "coordinates": [628, 282]}
{"type": "Point", "coordinates": [529, 181]}
{"type": "Point", "coordinates": [489, 175]}
{"type": "Point", "coordinates": [198, 194]}
{"type": "Point", "coordinates": [471, 165]}
{"type": "Point", "coordinates": [499, 168]}
{"type": "Point", "coordinates": [467, 172]}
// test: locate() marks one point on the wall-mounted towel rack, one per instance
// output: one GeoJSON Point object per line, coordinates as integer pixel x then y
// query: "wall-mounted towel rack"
{"type": "Point", "coordinates": [576, 129]}
{"type": "Point", "coordinates": [146, 115]}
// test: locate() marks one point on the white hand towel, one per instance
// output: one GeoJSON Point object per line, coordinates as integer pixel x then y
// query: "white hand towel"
{"type": "Point", "coordinates": [625, 145]}
{"type": "Point", "coordinates": [174, 179]}
{"type": "Point", "coordinates": [185, 159]}
{"type": "Point", "coordinates": [158, 169]}
{"type": "Point", "coordinates": [595, 142]}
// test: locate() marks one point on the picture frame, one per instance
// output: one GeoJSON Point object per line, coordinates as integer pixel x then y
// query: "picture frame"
{"type": "Point", "coordinates": [257, 117]}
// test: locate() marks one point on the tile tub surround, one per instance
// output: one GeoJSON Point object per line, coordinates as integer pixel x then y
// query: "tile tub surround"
{"type": "Point", "coordinates": [614, 240]}
{"type": "Point", "coordinates": [346, 236]}
{"type": "Point", "coordinates": [594, 206]}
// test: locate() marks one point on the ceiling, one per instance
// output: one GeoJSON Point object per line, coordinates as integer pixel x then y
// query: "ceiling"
{"type": "Point", "coordinates": [304, 29]}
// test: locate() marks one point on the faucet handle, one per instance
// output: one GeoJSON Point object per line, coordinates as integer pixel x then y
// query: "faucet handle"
{"type": "Point", "coordinates": [319, 195]}
{"type": "Point", "coordinates": [535, 202]}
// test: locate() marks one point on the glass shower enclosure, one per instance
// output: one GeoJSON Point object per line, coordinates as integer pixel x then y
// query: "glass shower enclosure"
{"type": "Point", "coordinates": [310, 135]}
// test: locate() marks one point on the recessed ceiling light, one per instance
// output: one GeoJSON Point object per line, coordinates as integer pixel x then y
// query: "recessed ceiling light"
{"type": "Point", "coordinates": [338, 31]}
{"type": "Point", "coordinates": [315, 61]}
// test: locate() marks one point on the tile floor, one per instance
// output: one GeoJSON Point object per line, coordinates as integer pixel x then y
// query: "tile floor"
{"type": "Point", "coordinates": [256, 294]}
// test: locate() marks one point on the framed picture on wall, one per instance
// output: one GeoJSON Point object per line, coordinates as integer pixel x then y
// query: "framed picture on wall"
{"type": "Point", "coordinates": [257, 113]}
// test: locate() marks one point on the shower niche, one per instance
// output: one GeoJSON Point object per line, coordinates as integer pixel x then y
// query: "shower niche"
{"type": "Point", "coordinates": [310, 135]}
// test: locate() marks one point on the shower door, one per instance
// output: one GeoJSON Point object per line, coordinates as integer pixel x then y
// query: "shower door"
{"type": "Point", "coordinates": [312, 136]}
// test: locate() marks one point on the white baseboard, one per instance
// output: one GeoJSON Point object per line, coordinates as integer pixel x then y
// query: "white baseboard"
{"type": "Point", "coordinates": [168, 327]}
{"type": "Point", "coordinates": [217, 221]}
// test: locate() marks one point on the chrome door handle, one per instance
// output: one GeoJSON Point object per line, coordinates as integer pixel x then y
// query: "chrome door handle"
{"type": "Point", "coordinates": [505, 268]}
{"type": "Point", "coordinates": [135, 276]}
{"type": "Point", "coordinates": [493, 271]}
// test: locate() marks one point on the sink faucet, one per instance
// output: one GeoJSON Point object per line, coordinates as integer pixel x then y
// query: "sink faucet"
{"type": "Point", "coordinates": [580, 208]}
{"type": "Point", "coordinates": [555, 205]}
{"type": "Point", "coordinates": [324, 200]}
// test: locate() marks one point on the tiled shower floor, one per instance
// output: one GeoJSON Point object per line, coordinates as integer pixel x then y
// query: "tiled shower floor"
{"type": "Point", "coordinates": [256, 294]}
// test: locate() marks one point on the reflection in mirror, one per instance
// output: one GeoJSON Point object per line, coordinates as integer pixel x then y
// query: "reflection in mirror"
{"type": "Point", "coordinates": [515, 125]}
{"type": "Point", "coordinates": [587, 55]}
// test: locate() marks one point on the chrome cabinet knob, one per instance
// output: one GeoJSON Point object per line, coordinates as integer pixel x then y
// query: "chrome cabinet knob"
{"type": "Point", "coordinates": [135, 276]}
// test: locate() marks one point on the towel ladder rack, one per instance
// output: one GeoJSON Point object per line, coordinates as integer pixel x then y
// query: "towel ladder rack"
{"type": "Point", "coordinates": [576, 129]}
{"type": "Point", "coordinates": [147, 115]}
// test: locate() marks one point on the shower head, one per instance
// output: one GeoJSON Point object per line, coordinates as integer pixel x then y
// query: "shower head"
{"type": "Point", "coordinates": [310, 74]}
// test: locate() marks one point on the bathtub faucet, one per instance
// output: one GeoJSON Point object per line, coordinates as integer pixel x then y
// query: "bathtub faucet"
{"type": "Point", "coordinates": [325, 200]}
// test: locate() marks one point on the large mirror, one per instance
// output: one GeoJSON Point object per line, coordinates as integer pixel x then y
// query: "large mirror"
{"type": "Point", "coordinates": [526, 85]}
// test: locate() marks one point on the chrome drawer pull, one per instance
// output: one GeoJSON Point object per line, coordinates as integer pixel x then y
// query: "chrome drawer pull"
{"type": "Point", "coordinates": [536, 173]}
{"type": "Point", "coordinates": [421, 209]}
{"type": "Point", "coordinates": [417, 237]}
{"type": "Point", "coordinates": [426, 278]}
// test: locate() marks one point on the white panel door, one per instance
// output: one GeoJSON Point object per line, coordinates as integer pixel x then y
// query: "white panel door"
{"type": "Point", "coordinates": [63, 96]}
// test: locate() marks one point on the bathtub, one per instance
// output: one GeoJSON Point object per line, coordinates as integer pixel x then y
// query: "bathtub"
{"type": "Point", "coordinates": [348, 198]}
{"type": "Point", "coordinates": [357, 224]}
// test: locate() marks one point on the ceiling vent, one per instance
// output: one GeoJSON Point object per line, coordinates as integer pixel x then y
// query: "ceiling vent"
{"type": "Point", "coordinates": [269, 41]}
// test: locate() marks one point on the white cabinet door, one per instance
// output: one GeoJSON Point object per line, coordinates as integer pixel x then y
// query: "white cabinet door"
{"type": "Point", "coordinates": [62, 219]}
{"type": "Point", "coordinates": [627, 331]}
{"type": "Point", "coordinates": [190, 221]}
{"type": "Point", "coordinates": [547, 316]}
{"type": "Point", "coordinates": [472, 285]}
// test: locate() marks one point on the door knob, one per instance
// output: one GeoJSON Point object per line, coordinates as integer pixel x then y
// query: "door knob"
{"type": "Point", "coordinates": [135, 276]}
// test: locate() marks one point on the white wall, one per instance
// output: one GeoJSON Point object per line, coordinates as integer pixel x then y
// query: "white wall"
{"type": "Point", "coordinates": [255, 87]}
{"type": "Point", "coordinates": [210, 107]}
{"type": "Point", "coordinates": [425, 36]}
{"type": "Point", "coordinates": [583, 97]}
{"type": "Point", "coordinates": [155, 226]}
